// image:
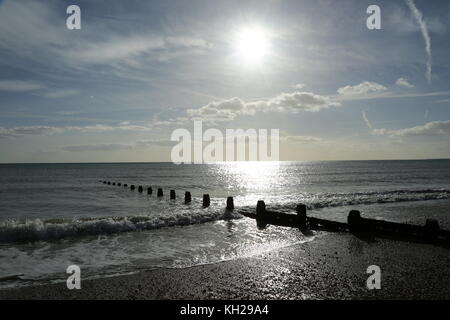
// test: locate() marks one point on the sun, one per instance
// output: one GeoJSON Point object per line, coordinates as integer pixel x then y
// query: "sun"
{"type": "Point", "coordinates": [252, 44]}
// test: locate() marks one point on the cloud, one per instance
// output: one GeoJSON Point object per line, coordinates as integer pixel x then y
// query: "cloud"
{"type": "Point", "coordinates": [97, 147]}
{"type": "Point", "coordinates": [155, 142]}
{"type": "Point", "coordinates": [19, 85]}
{"type": "Point", "coordinates": [434, 128]}
{"type": "Point", "coordinates": [30, 130]}
{"type": "Point", "coordinates": [362, 89]}
{"type": "Point", "coordinates": [426, 36]}
{"type": "Point", "coordinates": [402, 82]}
{"type": "Point", "coordinates": [302, 139]}
{"type": "Point", "coordinates": [60, 93]}
{"type": "Point", "coordinates": [226, 110]}
{"type": "Point", "coordinates": [16, 132]}
{"type": "Point", "coordinates": [298, 86]}
{"type": "Point", "coordinates": [366, 120]}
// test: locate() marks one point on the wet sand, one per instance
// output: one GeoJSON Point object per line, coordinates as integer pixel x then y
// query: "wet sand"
{"type": "Point", "coordinates": [332, 266]}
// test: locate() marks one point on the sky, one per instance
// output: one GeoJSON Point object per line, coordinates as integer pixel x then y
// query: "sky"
{"type": "Point", "coordinates": [116, 89]}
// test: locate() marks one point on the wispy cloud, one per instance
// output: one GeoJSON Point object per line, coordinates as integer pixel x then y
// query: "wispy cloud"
{"type": "Point", "coordinates": [363, 89]}
{"type": "Point", "coordinates": [426, 36]}
{"type": "Point", "coordinates": [366, 120]}
{"type": "Point", "coordinates": [434, 128]}
{"type": "Point", "coordinates": [19, 85]}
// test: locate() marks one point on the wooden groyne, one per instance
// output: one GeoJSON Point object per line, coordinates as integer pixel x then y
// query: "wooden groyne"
{"type": "Point", "coordinates": [356, 224]}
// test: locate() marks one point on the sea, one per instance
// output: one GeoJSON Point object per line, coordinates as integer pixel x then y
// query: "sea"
{"type": "Point", "coordinates": [56, 215]}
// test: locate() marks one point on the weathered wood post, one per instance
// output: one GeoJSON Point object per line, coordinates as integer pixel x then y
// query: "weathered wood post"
{"type": "Point", "coordinates": [301, 215]}
{"type": "Point", "coordinates": [109, 182]}
{"type": "Point", "coordinates": [140, 189]}
{"type": "Point", "coordinates": [113, 183]}
{"type": "Point", "coordinates": [431, 229]}
{"type": "Point", "coordinates": [132, 187]}
{"type": "Point", "coordinates": [261, 214]}
{"type": "Point", "coordinates": [104, 182]}
{"type": "Point", "coordinates": [160, 192]}
{"type": "Point", "coordinates": [125, 185]}
{"type": "Point", "coordinates": [119, 184]}
{"type": "Point", "coordinates": [206, 200]}
{"type": "Point", "coordinates": [354, 221]}
{"type": "Point", "coordinates": [172, 195]}
{"type": "Point", "coordinates": [187, 197]}
{"type": "Point", "coordinates": [149, 190]}
{"type": "Point", "coordinates": [230, 203]}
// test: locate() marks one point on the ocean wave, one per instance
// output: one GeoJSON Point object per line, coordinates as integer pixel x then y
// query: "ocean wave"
{"type": "Point", "coordinates": [38, 229]}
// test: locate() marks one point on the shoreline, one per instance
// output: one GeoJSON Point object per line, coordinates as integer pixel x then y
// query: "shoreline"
{"type": "Point", "coordinates": [332, 266]}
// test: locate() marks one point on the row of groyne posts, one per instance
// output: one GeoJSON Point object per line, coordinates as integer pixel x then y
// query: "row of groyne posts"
{"type": "Point", "coordinates": [187, 195]}
{"type": "Point", "coordinates": [430, 232]}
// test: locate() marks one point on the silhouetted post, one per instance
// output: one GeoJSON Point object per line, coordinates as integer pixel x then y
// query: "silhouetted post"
{"type": "Point", "coordinates": [132, 187]}
{"type": "Point", "coordinates": [104, 182]}
{"type": "Point", "coordinates": [230, 203]}
{"type": "Point", "coordinates": [354, 221]}
{"type": "Point", "coordinates": [206, 200]}
{"type": "Point", "coordinates": [109, 182]}
{"type": "Point", "coordinates": [261, 214]}
{"type": "Point", "coordinates": [140, 189]}
{"type": "Point", "coordinates": [114, 183]}
{"type": "Point", "coordinates": [187, 197]}
{"type": "Point", "coordinates": [301, 215]}
{"type": "Point", "coordinates": [160, 192]}
{"type": "Point", "coordinates": [432, 229]}
{"type": "Point", "coordinates": [119, 184]}
{"type": "Point", "coordinates": [125, 185]}
{"type": "Point", "coordinates": [149, 190]}
{"type": "Point", "coordinates": [172, 195]}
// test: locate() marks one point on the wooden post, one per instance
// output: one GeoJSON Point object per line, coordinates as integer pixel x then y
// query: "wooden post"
{"type": "Point", "coordinates": [301, 215]}
{"type": "Point", "coordinates": [431, 229]}
{"type": "Point", "coordinates": [354, 221]}
{"type": "Point", "coordinates": [260, 214]}
{"type": "Point", "coordinates": [132, 187]}
{"type": "Point", "coordinates": [172, 195]}
{"type": "Point", "coordinates": [114, 184]}
{"type": "Point", "coordinates": [140, 189]}
{"type": "Point", "coordinates": [206, 200]}
{"type": "Point", "coordinates": [119, 184]}
{"type": "Point", "coordinates": [149, 190]}
{"type": "Point", "coordinates": [109, 182]}
{"type": "Point", "coordinates": [230, 203]}
{"type": "Point", "coordinates": [160, 192]}
{"type": "Point", "coordinates": [125, 185]}
{"type": "Point", "coordinates": [187, 197]}
{"type": "Point", "coordinates": [104, 182]}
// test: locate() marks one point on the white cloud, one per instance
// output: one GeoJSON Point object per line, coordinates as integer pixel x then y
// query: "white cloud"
{"type": "Point", "coordinates": [298, 86]}
{"type": "Point", "coordinates": [19, 85]}
{"type": "Point", "coordinates": [362, 89]}
{"type": "Point", "coordinates": [402, 82]}
{"type": "Point", "coordinates": [301, 139]}
{"type": "Point", "coordinates": [294, 102]}
{"type": "Point", "coordinates": [434, 128]}
{"type": "Point", "coordinates": [426, 36]}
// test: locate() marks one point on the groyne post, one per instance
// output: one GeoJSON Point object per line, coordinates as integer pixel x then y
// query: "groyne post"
{"type": "Point", "coordinates": [172, 195]}
{"type": "Point", "coordinates": [230, 203]}
{"type": "Point", "coordinates": [132, 187]}
{"type": "Point", "coordinates": [160, 192]}
{"type": "Point", "coordinates": [301, 215]}
{"type": "Point", "coordinates": [354, 221]}
{"type": "Point", "coordinates": [261, 214]}
{"type": "Point", "coordinates": [140, 189]}
{"type": "Point", "coordinates": [206, 200]}
{"type": "Point", "coordinates": [119, 184]}
{"type": "Point", "coordinates": [187, 197]}
{"type": "Point", "coordinates": [149, 190]}
{"type": "Point", "coordinates": [125, 185]}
